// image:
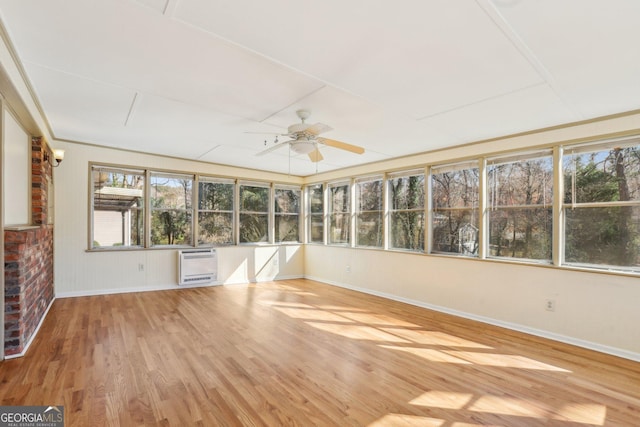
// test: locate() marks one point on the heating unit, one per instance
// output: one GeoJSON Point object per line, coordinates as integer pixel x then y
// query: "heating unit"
{"type": "Point", "coordinates": [197, 266]}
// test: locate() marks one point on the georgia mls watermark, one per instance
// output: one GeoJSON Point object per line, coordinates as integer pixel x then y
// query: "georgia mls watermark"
{"type": "Point", "coordinates": [31, 416]}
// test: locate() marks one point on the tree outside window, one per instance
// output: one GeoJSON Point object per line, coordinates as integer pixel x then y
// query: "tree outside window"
{"type": "Point", "coordinates": [602, 204]}
{"type": "Point", "coordinates": [215, 211]}
{"type": "Point", "coordinates": [406, 211]}
{"type": "Point", "coordinates": [339, 213]}
{"type": "Point", "coordinates": [171, 209]}
{"type": "Point", "coordinates": [520, 206]}
{"type": "Point", "coordinates": [287, 214]}
{"type": "Point", "coordinates": [455, 209]}
{"type": "Point", "coordinates": [254, 213]}
{"type": "Point", "coordinates": [316, 213]}
{"type": "Point", "coordinates": [369, 212]}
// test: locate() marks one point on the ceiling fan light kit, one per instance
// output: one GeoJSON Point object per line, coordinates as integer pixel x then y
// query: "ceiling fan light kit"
{"type": "Point", "coordinates": [305, 139]}
{"type": "Point", "coordinates": [303, 147]}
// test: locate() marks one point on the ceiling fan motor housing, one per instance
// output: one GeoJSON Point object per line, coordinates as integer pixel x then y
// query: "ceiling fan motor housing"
{"type": "Point", "coordinates": [297, 128]}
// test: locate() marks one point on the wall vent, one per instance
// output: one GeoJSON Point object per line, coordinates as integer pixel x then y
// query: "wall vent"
{"type": "Point", "coordinates": [197, 266]}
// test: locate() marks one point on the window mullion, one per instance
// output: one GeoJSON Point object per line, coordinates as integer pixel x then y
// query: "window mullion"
{"type": "Point", "coordinates": [428, 210]}
{"type": "Point", "coordinates": [195, 232]}
{"type": "Point", "coordinates": [326, 221]}
{"type": "Point", "coordinates": [557, 251]}
{"type": "Point", "coordinates": [147, 208]}
{"type": "Point", "coordinates": [271, 215]}
{"type": "Point", "coordinates": [352, 213]}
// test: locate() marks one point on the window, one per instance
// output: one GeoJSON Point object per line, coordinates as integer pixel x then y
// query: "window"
{"type": "Point", "coordinates": [316, 213]}
{"type": "Point", "coordinates": [171, 209]}
{"type": "Point", "coordinates": [215, 211]}
{"type": "Point", "coordinates": [369, 212]}
{"type": "Point", "coordinates": [602, 204]}
{"type": "Point", "coordinates": [287, 214]}
{"type": "Point", "coordinates": [254, 213]}
{"type": "Point", "coordinates": [406, 211]}
{"type": "Point", "coordinates": [117, 207]}
{"type": "Point", "coordinates": [455, 216]}
{"type": "Point", "coordinates": [520, 212]}
{"type": "Point", "coordinates": [339, 213]}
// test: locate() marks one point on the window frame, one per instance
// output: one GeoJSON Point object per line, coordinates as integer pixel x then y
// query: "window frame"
{"type": "Point", "coordinates": [555, 156]}
{"type": "Point", "coordinates": [91, 235]}
{"type": "Point", "coordinates": [358, 211]}
{"type": "Point", "coordinates": [198, 210]}
{"type": "Point", "coordinates": [267, 213]}
{"type": "Point", "coordinates": [189, 208]}
{"type": "Point", "coordinates": [310, 214]}
{"type": "Point", "coordinates": [574, 205]}
{"type": "Point", "coordinates": [345, 213]}
{"type": "Point", "coordinates": [417, 210]}
{"type": "Point", "coordinates": [436, 207]}
{"type": "Point", "coordinates": [492, 206]}
{"type": "Point", "coordinates": [298, 214]}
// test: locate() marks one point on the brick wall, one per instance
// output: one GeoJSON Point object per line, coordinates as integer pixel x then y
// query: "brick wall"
{"type": "Point", "coordinates": [28, 261]}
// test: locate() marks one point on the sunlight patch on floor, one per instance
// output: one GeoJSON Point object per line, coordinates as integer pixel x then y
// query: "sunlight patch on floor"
{"type": "Point", "coordinates": [443, 399]}
{"type": "Point", "coordinates": [341, 308]}
{"type": "Point", "coordinates": [312, 314]}
{"type": "Point", "coordinates": [434, 338]}
{"type": "Point", "coordinates": [510, 406]}
{"type": "Point", "coordinates": [272, 303]}
{"type": "Point", "coordinates": [401, 420]}
{"type": "Point", "coordinates": [503, 360]}
{"type": "Point", "coordinates": [378, 319]}
{"type": "Point", "coordinates": [357, 332]}
{"type": "Point", "coordinates": [583, 413]}
{"type": "Point", "coordinates": [587, 413]}
{"type": "Point", "coordinates": [429, 354]}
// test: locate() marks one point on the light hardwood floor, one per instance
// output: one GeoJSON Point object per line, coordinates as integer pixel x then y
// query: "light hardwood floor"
{"type": "Point", "coordinates": [302, 353]}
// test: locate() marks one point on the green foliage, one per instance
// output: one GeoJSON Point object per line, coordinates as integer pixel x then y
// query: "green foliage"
{"type": "Point", "coordinates": [407, 216]}
{"type": "Point", "coordinates": [254, 209]}
{"type": "Point", "coordinates": [170, 211]}
{"type": "Point", "coordinates": [215, 220]}
{"type": "Point", "coordinates": [606, 235]}
{"type": "Point", "coordinates": [520, 198]}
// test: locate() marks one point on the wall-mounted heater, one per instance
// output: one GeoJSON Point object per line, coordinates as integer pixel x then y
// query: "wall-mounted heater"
{"type": "Point", "coordinates": [197, 266]}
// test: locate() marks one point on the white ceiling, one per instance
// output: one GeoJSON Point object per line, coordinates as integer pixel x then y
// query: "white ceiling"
{"type": "Point", "coordinates": [189, 78]}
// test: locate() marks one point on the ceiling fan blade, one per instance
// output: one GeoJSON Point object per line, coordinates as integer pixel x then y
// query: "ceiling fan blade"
{"type": "Point", "coordinates": [273, 148]}
{"type": "Point", "coordinates": [341, 145]}
{"type": "Point", "coordinates": [315, 156]}
{"type": "Point", "coordinates": [318, 128]}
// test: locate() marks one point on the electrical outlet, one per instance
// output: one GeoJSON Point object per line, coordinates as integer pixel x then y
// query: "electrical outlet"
{"type": "Point", "coordinates": [140, 267]}
{"type": "Point", "coordinates": [550, 305]}
{"type": "Point", "coordinates": [348, 269]}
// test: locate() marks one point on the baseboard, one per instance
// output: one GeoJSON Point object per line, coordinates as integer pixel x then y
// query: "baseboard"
{"type": "Point", "coordinates": [288, 277]}
{"type": "Point", "coordinates": [89, 293]}
{"type": "Point", "coordinates": [33, 335]}
{"type": "Point", "coordinates": [95, 292]}
{"type": "Point", "coordinates": [614, 351]}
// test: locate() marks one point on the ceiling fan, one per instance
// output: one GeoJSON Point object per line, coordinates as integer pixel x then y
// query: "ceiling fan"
{"type": "Point", "coordinates": [305, 139]}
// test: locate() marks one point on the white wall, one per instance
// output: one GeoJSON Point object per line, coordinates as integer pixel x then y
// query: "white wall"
{"type": "Point", "coordinates": [593, 309]}
{"type": "Point", "coordinates": [79, 272]}
{"type": "Point", "coordinates": [16, 171]}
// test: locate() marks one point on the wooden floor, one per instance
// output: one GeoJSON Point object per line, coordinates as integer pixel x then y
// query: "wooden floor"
{"type": "Point", "coordinates": [302, 353]}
